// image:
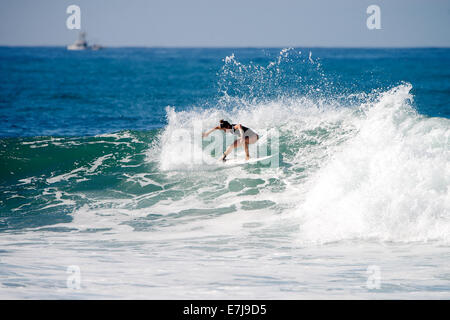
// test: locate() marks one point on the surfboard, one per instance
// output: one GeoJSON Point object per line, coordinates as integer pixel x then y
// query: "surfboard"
{"type": "Point", "coordinates": [238, 162]}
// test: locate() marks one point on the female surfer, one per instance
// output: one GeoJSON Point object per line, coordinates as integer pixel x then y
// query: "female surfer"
{"type": "Point", "coordinates": [246, 136]}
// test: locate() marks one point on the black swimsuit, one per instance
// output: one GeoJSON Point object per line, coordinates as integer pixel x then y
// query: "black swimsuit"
{"type": "Point", "coordinates": [247, 131]}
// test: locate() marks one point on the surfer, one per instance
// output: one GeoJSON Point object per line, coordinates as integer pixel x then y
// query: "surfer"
{"type": "Point", "coordinates": [246, 136]}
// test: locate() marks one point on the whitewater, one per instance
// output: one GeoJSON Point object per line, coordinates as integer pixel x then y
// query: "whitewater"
{"type": "Point", "coordinates": [356, 205]}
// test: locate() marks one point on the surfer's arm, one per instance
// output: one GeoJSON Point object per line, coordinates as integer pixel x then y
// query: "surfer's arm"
{"type": "Point", "coordinates": [205, 134]}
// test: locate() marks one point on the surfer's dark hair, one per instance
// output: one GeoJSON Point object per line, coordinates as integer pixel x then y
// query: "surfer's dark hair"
{"type": "Point", "coordinates": [224, 124]}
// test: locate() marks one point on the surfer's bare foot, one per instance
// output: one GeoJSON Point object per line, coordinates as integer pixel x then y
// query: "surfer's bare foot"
{"type": "Point", "coordinates": [247, 158]}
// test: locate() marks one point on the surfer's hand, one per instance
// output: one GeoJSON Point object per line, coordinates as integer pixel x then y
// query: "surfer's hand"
{"type": "Point", "coordinates": [204, 134]}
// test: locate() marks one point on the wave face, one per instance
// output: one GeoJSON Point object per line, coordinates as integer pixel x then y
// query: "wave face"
{"type": "Point", "coordinates": [353, 167]}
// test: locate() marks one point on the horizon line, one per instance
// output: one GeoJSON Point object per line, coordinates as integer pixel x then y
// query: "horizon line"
{"type": "Point", "coordinates": [231, 47]}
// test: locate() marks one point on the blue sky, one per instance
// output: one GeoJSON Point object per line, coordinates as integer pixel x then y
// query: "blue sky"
{"type": "Point", "coordinates": [228, 23]}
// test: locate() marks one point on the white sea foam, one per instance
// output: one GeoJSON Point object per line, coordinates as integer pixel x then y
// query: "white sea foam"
{"type": "Point", "coordinates": [390, 181]}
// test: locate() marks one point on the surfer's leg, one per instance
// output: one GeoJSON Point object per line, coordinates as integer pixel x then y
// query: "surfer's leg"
{"type": "Point", "coordinates": [230, 148]}
{"type": "Point", "coordinates": [249, 140]}
{"type": "Point", "coordinates": [246, 142]}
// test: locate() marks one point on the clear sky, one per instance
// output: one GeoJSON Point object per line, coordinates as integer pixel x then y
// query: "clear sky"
{"type": "Point", "coordinates": [228, 23]}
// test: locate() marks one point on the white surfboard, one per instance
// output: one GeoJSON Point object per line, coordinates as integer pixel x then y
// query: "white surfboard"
{"type": "Point", "coordinates": [238, 162]}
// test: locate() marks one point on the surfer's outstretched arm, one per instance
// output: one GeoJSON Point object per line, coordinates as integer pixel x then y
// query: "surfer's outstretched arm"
{"type": "Point", "coordinates": [205, 134]}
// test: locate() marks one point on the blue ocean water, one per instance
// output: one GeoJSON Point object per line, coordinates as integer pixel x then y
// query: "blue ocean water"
{"type": "Point", "coordinates": [101, 168]}
{"type": "Point", "coordinates": [52, 91]}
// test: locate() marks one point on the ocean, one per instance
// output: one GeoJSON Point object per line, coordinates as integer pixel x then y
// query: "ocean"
{"type": "Point", "coordinates": [108, 191]}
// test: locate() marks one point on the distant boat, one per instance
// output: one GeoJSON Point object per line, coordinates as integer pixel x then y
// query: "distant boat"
{"type": "Point", "coordinates": [81, 44]}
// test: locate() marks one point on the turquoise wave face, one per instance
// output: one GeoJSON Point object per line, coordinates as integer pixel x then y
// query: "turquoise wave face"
{"type": "Point", "coordinates": [44, 179]}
